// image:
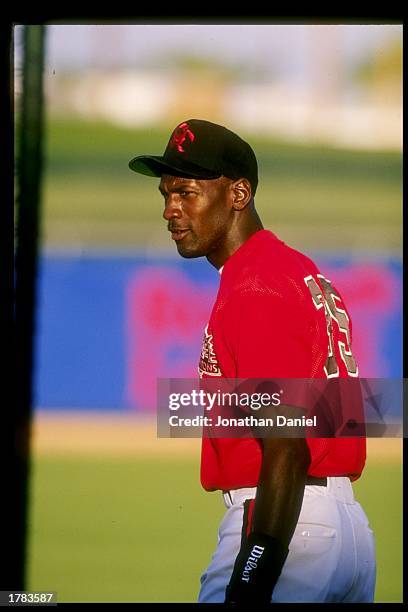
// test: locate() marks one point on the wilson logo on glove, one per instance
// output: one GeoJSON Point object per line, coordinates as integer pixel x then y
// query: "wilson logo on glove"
{"type": "Point", "coordinates": [252, 562]}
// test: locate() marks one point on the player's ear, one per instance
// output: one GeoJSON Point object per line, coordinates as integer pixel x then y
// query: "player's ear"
{"type": "Point", "coordinates": [242, 193]}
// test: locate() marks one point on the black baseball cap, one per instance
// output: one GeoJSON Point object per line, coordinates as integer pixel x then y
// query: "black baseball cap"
{"type": "Point", "coordinates": [202, 150]}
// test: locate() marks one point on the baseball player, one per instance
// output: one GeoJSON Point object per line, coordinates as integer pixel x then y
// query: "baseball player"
{"type": "Point", "coordinates": [292, 531]}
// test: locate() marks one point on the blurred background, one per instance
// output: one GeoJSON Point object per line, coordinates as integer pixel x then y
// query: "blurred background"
{"type": "Point", "coordinates": [112, 506]}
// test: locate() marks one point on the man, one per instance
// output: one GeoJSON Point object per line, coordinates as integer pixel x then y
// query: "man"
{"type": "Point", "coordinates": [293, 531]}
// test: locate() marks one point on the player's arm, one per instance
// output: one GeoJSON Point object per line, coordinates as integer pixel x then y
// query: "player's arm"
{"type": "Point", "coordinates": [267, 349]}
{"type": "Point", "coordinates": [278, 502]}
{"type": "Point", "coordinates": [281, 485]}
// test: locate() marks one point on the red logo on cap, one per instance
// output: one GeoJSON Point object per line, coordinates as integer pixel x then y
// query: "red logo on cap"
{"type": "Point", "coordinates": [180, 135]}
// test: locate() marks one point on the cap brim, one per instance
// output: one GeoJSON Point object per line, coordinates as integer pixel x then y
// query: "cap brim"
{"type": "Point", "coordinates": [153, 165]}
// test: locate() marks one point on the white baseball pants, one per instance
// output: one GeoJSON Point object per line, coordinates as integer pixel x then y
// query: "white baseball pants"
{"type": "Point", "coordinates": [331, 555]}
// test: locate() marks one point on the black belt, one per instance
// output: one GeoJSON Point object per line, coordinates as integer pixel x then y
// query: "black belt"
{"type": "Point", "coordinates": [310, 480]}
{"type": "Point", "coordinates": [314, 480]}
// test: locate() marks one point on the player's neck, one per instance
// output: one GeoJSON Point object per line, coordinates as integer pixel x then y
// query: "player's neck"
{"type": "Point", "coordinates": [240, 233]}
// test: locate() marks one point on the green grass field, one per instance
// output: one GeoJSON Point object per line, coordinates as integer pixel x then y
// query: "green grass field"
{"type": "Point", "coordinates": [132, 530]}
{"type": "Point", "coordinates": [313, 196]}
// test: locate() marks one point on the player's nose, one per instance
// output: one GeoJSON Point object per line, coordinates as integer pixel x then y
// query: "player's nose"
{"type": "Point", "coordinates": [172, 208]}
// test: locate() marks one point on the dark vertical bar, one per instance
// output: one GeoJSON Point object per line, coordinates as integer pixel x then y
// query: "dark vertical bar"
{"type": "Point", "coordinates": [6, 277]}
{"type": "Point", "coordinates": [29, 171]}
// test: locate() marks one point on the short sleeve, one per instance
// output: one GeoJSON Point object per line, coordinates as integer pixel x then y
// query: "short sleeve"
{"type": "Point", "coordinates": [269, 338]}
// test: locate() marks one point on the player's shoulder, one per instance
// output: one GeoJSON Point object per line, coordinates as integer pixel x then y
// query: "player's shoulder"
{"type": "Point", "coordinates": [267, 262]}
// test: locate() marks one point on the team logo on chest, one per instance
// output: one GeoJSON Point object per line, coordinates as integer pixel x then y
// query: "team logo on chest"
{"type": "Point", "coordinates": [208, 360]}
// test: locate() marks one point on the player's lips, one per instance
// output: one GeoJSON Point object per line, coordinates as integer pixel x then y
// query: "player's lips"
{"type": "Point", "coordinates": [178, 233]}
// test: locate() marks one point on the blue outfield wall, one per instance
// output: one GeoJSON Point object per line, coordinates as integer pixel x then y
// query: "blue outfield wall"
{"type": "Point", "coordinates": [109, 326]}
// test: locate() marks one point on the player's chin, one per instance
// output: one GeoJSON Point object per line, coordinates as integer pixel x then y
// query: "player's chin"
{"type": "Point", "coordinates": [188, 253]}
{"type": "Point", "coordinates": [190, 250]}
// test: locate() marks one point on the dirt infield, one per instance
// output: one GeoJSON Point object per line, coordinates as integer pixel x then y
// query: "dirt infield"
{"type": "Point", "coordinates": [81, 433]}
{"type": "Point", "coordinates": [104, 434]}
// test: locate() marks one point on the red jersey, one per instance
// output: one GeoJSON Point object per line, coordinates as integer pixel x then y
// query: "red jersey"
{"type": "Point", "coordinates": [275, 316]}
